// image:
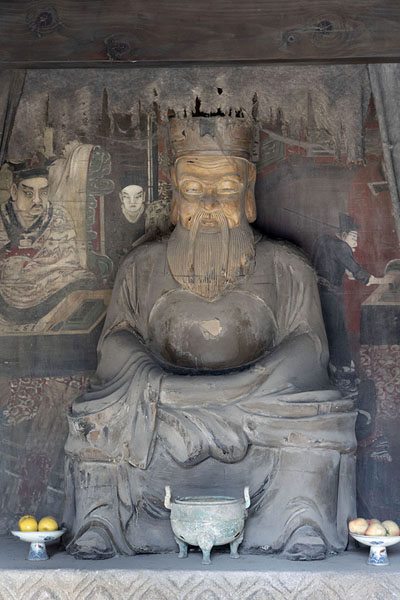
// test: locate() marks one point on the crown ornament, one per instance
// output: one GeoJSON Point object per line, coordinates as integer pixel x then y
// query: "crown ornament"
{"type": "Point", "coordinates": [232, 136]}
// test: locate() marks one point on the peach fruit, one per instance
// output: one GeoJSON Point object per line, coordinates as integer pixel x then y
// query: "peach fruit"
{"type": "Point", "coordinates": [391, 527]}
{"type": "Point", "coordinates": [358, 526]}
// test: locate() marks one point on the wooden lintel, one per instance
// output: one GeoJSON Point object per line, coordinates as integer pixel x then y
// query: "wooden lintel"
{"type": "Point", "coordinates": [83, 33]}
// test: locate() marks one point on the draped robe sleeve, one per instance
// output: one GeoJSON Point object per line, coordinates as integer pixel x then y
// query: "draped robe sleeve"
{"type": "Point", "coordinates": [116, 417]}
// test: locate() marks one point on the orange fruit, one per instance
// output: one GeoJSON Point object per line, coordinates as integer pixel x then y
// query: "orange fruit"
{"type": "Point", "coordinates": [24, 517]}
{"type": "Point", "coordinates": [28, 523]}
{"type": "Point", "coordinates": [48, 524]}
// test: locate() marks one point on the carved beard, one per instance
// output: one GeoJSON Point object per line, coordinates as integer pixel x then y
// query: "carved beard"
{"type": "Point", "coordinates": [206, 263]}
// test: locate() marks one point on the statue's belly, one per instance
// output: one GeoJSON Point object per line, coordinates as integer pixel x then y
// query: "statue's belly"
{"type": "Point", "coordinates": [187, 331]}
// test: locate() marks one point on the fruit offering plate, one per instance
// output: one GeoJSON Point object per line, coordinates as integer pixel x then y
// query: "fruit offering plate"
{"type": "Point", "coordinates": [37, 540]}
{"type": "Point", "coordinates": [377, 554]}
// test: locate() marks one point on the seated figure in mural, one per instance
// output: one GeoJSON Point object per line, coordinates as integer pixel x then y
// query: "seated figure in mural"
{"type": "Point", "coordinates": [39, 261]}
{"type": "Point", "coordinates": [212, 375]}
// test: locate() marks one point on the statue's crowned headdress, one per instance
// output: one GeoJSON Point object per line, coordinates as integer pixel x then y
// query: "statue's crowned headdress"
{"type": "Point", "coordinates": [232, 136]}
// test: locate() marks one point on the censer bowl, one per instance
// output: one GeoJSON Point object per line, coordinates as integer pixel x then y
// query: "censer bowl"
{"type": "Point", "coordinates": [207, 521]}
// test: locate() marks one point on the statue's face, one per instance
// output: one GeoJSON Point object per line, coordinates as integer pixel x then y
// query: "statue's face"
{"type": "Point", "coordinates": [30, 197]}
{"type": "Point", "coordinates": [211, 184]}
{"type": "Point", "coordinates": [132, 197]}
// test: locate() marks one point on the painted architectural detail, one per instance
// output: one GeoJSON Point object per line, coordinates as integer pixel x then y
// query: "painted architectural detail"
{"type": "Point", "coordinates": [382, 364]}
{"type": "Point", "coordinates": [28, 394]}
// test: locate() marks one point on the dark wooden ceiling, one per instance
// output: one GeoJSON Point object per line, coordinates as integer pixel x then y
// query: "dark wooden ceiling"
{"type": "Point", "coordinates": [143, 32]}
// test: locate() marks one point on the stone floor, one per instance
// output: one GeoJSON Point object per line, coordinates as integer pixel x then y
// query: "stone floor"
{"type": "Point", "coordinates": [165, 577]}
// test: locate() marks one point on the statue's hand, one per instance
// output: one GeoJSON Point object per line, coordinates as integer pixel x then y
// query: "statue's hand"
{"type": "Point", "coordinates": [182, 391]}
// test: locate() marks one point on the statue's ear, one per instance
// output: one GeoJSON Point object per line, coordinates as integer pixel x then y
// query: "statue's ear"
{"type": "Point", "coordinates": [14, 191]}
{"type": "Point", "coordinates": [250, 203]}
{"type": "Point", "coordinates": [174, 216]}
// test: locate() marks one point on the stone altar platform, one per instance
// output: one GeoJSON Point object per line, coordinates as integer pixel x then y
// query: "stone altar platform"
{"type": "Point", "coordinates": [165, 577]}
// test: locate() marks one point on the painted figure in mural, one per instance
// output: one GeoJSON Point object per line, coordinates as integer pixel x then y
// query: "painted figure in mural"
{"type": "Point", "coordinates": [212, 375]}
{"type": "Point", "coordinates": [132, 202]}
{"type": "Point", "coordinates": [333, 257]}
{"type": "Point", "coordinates": [38, 248]}
{"type": "Point", "coordinates": [126, 219]}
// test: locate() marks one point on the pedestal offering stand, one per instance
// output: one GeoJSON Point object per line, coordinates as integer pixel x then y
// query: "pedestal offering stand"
{"type": "Point", "coordinates": [377, 554]}
{"type": "Point", "coordinates": [37, 540]}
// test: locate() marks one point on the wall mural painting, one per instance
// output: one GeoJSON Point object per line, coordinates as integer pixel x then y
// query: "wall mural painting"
{"type": "Point", "coordinates": [53, 266]}
{"type": "Point", "coordinates": [60, 245]}
{"type": "Point", "coordinates": [66, 222]}
{"type": "Point", "coordinates": [78, 190]}
{"type": "Point", "coordinates": [341, 215]}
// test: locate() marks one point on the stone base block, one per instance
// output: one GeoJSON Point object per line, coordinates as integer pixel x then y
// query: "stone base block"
{"type": "Point", "coordinates": [166, 577]}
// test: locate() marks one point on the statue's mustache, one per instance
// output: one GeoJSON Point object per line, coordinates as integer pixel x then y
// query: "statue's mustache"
{"type": "Point", "coordinates": [202, 214]}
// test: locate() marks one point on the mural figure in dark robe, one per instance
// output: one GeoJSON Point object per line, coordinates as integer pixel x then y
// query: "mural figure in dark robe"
{"type": "Point", "coordinates": [212, 375]}
{"type": "Point", "coordinates": [333, 257]}
{"type": "Point", "coordinates": [39, 260]}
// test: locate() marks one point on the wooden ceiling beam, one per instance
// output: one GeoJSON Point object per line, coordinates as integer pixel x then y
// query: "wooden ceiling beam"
{"type": "Point", "coordinates": [89, 33]}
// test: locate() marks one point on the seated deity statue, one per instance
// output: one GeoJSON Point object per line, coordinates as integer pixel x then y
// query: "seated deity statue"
{"type": "Point", "coordinates": [212, 375]}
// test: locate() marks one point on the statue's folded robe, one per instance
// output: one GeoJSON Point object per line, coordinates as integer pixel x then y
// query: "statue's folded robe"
{"type": "Point", "coordinates": [197, 416]}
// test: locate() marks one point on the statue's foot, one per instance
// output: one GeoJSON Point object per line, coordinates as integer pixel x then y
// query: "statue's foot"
{"type": "Point", "coordinates": [305, 544]}
{"type": "Point", "coordinates": [94, 544]}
